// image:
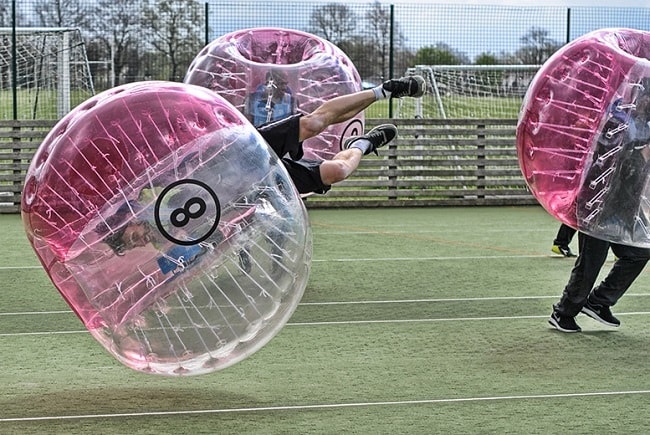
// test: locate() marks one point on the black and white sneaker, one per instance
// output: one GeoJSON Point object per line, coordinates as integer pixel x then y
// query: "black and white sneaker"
{"type": "Point", "coordinates": [378, 137]}
{"type": "Point", "coordinates": [601, 313]}
{"type": "Point", "coordinates": [563, 323]}
{"type": "Point", "coordinates": [411, 86]}
{"type": "Point", "coordinates": [564, 251]}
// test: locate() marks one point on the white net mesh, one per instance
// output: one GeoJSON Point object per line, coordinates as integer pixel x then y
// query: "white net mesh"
{"type": "Point", "coordinates": [51, 70]}
{"type": "Point", "coordinates": [469, 91]}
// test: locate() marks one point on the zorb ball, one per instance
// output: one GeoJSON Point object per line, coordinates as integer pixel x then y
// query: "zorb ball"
{"type": "Point", "coordinates": [583, 132]}
{"type": "Point", "coordinates": [168, 226]}
{"type": "Point", "coordinates": [271, 73]}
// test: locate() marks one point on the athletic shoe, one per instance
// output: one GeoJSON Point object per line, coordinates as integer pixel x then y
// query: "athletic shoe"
{"type": "Point", "coordinates": [601, 313]}
{"type": "Point", "coordinates": [563, 323]}
{"type": "Point", "coordinates": [411, 86]}
{"type": "Point", "coordinates": [378, 137]}
{"type": "Point", "coordinates": [564, 251]}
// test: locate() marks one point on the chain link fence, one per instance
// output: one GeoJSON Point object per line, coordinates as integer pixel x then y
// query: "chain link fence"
{"type": "Point", "coordinates": [111, 42]}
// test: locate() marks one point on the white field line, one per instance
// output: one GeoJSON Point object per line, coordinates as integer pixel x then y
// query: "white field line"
{"type": "Point", "coordinates": [471, 257]}
{"type": "Point", "coordinates": [474, 257]}
{"type": "Point", "coordinates": [331, 406]}
{"type": "Point", "coordinates": [351, 322]}
{"type": "Point", "coordinates": [398, 229]}
{"type": "Point", "coordinates": [390, 301]}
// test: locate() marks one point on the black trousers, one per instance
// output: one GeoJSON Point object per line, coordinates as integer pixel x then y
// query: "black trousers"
{"type": "Point", "coordinates": [564, 235]}
{"type": "Point", "coordinates": [593, 253]}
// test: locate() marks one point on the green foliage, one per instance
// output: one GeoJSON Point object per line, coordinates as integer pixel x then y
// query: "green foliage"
{"type": "Point", "coordinates": [486, 59]}
{"type": "Point", "coordinates": [436, 55]}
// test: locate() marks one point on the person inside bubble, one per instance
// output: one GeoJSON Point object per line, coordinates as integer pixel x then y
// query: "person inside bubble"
{"type": "Point", "coordinates": [136, 234]}
{"type": "Point", "coordinates": [623, 212]}
{"type": "Point", "coordinates": [622, 209]}
{"type": "Point", "coordinates": [124, 233]}
{"type": "Point", "coordinates": [271, 100]}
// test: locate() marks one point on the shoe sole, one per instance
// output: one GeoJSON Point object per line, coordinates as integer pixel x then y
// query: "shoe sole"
{"type": "Point", "coordinates": [421, 86]}
{"type": "Point", "coordinates": [597, 318]}
{"type": "Point", "coordinates": [557, 326]}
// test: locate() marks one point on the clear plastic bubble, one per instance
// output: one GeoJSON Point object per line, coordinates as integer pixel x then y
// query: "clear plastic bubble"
{"type": "Point", "coordinates": [270, 73]}
{"type": "Point", "coordinates": [169, 227]}
{"type": "Point", "coordinates": [583, 132]}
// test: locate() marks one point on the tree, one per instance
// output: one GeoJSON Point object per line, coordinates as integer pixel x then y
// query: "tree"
{"type": "Point", "coordinates": [5, 15]}
{"type": "Point", "coordinates": [537, 47]}
{"type": "Point", "coordinates": [118, 28]}
{"type": "Point", "coordinates": [359, 52]}
{"type": "Point", "coordinates": [64, 13]}
{"type": "Point", "coordinates": [486, 59]}
{"type": "Point", "coordinates": [439, 54]}
{"type": "Point", "coordinates": [335, 22]}
{"type": "Point", "coordinates": [379, 25]}
{"type": "Point", "coordinates": [174, 27]}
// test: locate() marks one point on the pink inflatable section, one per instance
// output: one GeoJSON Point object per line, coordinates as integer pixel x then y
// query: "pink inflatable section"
{"type": "Point", "coordinates": [271, 73]}
{"type": "Point", "coordinates": [582, 135]}
{"type": "Point", "coordinates": [168, 226]}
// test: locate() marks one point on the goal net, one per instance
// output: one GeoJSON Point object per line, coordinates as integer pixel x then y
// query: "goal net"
{"type": "Point", "coordinates": [469, 91]}
{"type": "Point", "coordinates": [51, 71]}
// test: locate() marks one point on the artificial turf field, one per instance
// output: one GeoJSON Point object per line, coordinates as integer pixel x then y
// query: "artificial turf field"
{"type": "Point", "coordinates": [414, 321]}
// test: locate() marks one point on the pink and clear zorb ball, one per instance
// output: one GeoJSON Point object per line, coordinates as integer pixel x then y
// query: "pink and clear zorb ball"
{"type": "Point", "coordinates": [271, 73]}
{"type": "Point", "coordinates": [583, 135]}
{"type": "Point", "coordinates": [169, 227]}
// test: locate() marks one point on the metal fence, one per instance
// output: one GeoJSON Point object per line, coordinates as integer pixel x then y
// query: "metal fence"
{"type": "Point", "coordinates": [132, 40]}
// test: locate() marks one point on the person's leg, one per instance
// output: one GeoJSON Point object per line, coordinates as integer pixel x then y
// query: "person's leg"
{"type": "Point", "coordinates": [593, 253]}
{"type": "Point", "coordinates": [333, 111]}
{"type": "Point", "coordinates": [564, 235]}
{"type": "Point", "coordinates": [344, 163]}
{"type": "Point", "coordinates": [317, 176]}
{"type": "Point", "coordinates": [629, 264]}
{"type": "Point", "coordinates": [345, 107]}
{"type": "Point", "coordinates": [341, 166]}
{"type": "Point", "coordinates": [562, 239]}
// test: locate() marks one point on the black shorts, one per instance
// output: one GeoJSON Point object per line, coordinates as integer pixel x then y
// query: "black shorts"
{"type": "Point", "coordinates": [283, 138]}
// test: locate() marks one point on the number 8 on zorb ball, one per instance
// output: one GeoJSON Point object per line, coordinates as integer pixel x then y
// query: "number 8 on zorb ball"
{"type": "Point", "coordinates": [169, 227]}
{"type": "Point", "coordinates": [583, 135]}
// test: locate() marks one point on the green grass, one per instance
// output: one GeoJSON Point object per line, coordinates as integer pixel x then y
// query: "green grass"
{"type": "Point", "coordinates": [454, 107]}
{"type": "Point", "coordinates": [414, 321]}
{"type": "Point", "coordinates": [37, 105]}
{"type": "Point", "coordinates": [44, 105]}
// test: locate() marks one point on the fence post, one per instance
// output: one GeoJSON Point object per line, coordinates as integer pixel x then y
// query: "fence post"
{"type": "Point", "coordinates": [480, 167]}
{"type": "Point", "coordinates": [207, 23]}
{"type": "Point", "coordinates": [391, 54]}
{"type": "Point", "coordinates": [14, 61]}
{"type": "Point", "coordinates": [17, 149]}
{"type": "Point", "coordinates": [392, 172]}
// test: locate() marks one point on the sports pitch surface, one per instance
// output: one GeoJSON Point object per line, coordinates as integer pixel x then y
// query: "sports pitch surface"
{"type": "Point", "coordinates": [426, 320]}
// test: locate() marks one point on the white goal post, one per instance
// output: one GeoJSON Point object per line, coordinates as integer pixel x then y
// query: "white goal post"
{"type": "Point", "coordinates": [51, 68]}
{"type": "Point", "coordinates": [469, 91]}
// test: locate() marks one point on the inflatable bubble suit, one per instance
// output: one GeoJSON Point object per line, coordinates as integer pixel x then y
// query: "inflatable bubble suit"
{"type": "Point", "coordinates": [583, 134]}
{"type": "Point", "coordinates": [168, 225]}
{"type": "Point", "coordinates": [270, 73]}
